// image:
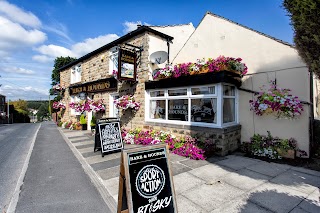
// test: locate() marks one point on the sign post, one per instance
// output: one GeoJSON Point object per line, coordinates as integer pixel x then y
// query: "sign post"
{"type": "Point", "coordinates": [108, 136]}
{"type": "Point", "coordinates": [146, 183]}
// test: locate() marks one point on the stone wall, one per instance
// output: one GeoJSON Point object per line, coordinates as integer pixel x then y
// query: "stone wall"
{"type": "Point", "coordinates": [97, 67]}
{"type": "Point", "coordinates": [226, 139]}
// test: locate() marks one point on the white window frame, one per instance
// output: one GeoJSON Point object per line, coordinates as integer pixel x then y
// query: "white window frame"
{"type": "Point", "coordinates": [74, 98]}
{"type": "Point", "coordinates": [218, 95]}
{"type": "Point", "coordinates": [113, 59]}
{"type": "Point", "coordinates": [112, 105]}
{"type": "Point", "coordinates": [76, 72]}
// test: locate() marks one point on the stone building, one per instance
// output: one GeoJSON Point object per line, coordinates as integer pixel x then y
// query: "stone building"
{"type": "Point", "coordinates": [174, 104]}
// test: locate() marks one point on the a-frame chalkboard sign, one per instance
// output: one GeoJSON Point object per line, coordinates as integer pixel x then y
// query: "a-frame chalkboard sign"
{"type": "Point", "coordinates": [145, 182]}
{"type": "Point", "coordinates": [108, 136]}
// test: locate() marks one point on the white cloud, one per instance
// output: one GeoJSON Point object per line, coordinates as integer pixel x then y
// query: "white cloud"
{"type": "Point", "coordinates": [42, 58]}
{"type": "Point", "coordinates": [91, 44]}
{"type": "Point", "coordinates": [13, 36]}
{"type": "Point", "coordinates": [24, 93]}
{"type": "Point", "coordinates": [54, 51]}
{"type": "Point", "coordinates": [131, 26]}
{"type": "Point", "coordinates": [50, 52]}
{"type": "Point", "coordinates": [18, 15]}
{"type": "Point", "coordinates": [59, 29]}
{"type": "Point", "coordinates": [17, 70]}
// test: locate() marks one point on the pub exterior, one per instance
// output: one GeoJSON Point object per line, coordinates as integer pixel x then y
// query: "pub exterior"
{"type": "Point", "coordinates": [212, 105]}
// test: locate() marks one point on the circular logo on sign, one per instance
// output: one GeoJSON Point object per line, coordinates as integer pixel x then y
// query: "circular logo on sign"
{"type": "Point", "coordinates": [150, 181]}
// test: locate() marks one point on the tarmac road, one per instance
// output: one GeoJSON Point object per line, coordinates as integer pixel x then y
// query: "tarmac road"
{"type": "Point", "coordinates": [55, 180]}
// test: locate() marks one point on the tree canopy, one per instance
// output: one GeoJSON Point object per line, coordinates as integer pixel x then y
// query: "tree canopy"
{"type": "Point", "coordinates": [58, 63]}
{"type": "Point", "coordinates": [304, 15]}
{"type": "Point", "coordinates": [21, 106]}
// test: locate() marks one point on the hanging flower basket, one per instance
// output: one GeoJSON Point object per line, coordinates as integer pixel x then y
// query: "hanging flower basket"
{"type": "Point", "coordinates": [88, 105]}
{"type": "Point", "coordinates": [277, 101]}
{"type": "Point", "coordinates": [127, 102]}
{"type": "Point", "coordinates": [58, 105]}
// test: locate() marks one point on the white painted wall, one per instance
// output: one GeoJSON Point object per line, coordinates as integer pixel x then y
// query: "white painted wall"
{"type": "Point", "coordinates": [181, 33]}
{"type": "Point", "coordinates": [216, 36]}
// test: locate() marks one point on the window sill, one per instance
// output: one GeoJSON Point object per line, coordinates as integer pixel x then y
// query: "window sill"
{"type": "Point", "coordinates": [200, 127]}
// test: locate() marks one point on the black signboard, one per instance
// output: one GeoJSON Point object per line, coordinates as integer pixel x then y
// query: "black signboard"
{"type": "Point", "coordinates": [108, 134]}
{"type": "Point", "coordinates": [100, 85]}
{"type": "Point", "coordinates": [148, 181]}
{"type": "Point", "coordinates": [127, 65]}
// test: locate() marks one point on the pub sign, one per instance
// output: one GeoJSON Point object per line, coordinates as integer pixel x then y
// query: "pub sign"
{"type": "Point", "coordinates": [127, 65]}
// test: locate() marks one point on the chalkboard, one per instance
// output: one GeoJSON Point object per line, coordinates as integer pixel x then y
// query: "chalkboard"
{"type": "Point", "coordinates": [108, 135]}
{"type": "Point", "coordinates": [148, 182]}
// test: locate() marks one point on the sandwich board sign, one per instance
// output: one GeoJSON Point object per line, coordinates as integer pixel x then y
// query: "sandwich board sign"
{"type": "Point", "coordinates": [145, 182]}
{"type": "Point", "coordinates": [109, 136]}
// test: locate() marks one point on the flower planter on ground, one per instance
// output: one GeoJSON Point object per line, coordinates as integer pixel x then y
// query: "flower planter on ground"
{"type": "Point", "coordinates": [287, 154]}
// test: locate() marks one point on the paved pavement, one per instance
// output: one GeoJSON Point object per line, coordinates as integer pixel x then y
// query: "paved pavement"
{"type": "Point", "coordinates": [219, 184]}
{"type": "Point", "coordinates": [55, 180]}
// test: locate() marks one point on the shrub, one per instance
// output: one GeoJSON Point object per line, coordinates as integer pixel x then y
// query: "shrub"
{"type": "Point", "coordinates": [83, 119]}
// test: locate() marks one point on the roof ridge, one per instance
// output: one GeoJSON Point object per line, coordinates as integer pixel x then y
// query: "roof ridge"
{"type": "Point", "coordinates": [170, 25]}
{"type": "Point", "coordinates": [241, 25]}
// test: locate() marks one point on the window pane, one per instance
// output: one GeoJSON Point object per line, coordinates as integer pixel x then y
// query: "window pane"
{"type": "Point", "coordinates": [229, 90]}
{"type": "Point", "coordinates": [156, 93]}
{"type": "Point", "coordinates": [229, 110]}
{"type": "Point", "coordinates": [178, 92]}
{"type": "Point", "coordinates": [158, 109]}
{"type": "Point", "coordinates": [204, 110]}
{"type": "Point", "coordinates": [203, 90]}
{"type": "Point", "coordinates": [178, 110]}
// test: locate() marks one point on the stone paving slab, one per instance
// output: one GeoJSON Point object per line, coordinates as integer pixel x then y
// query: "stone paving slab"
{"type": "Point", "coordinates": [90, 149]}
{"type": "Point", "coordinates": [112, 185]}
{"type": "Point", "coordinates": [90, 154]}
{"type": "Point", "coordinates": [270, 169]}
{"type": "Point", "coordinates": [99, 158]}
{"type": "Point", "coordinates": [312, 203]}
{"type": "Point", "coordinates": [79, 141]}
{"type": "Point", "coordinates": [84, 146]}
{"type": "Point", "coordinates": [77, 137]}
{"type": "Point", "coordinates": [186, 206]}
{"type": "Point", "coordinates": [109, 173]}
{"type": "Point", "coordinates": [177, 168]}
{"type": "Point", "coordinates": [298, 181]}
{"type": "Point", "coordinates": [186, 181]}
{"type": "Point", "coordinates": [107, 164]}
{"type": "Point", "coordinates": [240, 205]}
{"type": "Point", "coordinates": [209, 172]}
{"type": "Point", "coordinates": [276, 198]}
{"type": "Point", "coordinates": [194, 163]}
{"type": "Point", "coordinates": [245, 179]}
{"type": "Point", "coordinates": [84, 143]}
{"type": "Point", "coordinates": [237, 162]}
{"type": "Point", "coordinates": [211, 197]}
{"type": "Point", "coordinates": [307, 171]}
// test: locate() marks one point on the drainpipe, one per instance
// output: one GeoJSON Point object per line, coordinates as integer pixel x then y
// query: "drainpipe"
{"type": "Point", "coordinates": [311, 122]}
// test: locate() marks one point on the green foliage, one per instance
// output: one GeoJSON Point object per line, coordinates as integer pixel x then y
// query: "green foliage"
{"type": "Point", "coordinates": [93, 121]}
{"type": "Point", "coordinates": [58, 63]}
{"type": "Point", "coordinates": [21, 105]}
{"type": "Point", "coordinates": [304, 15]}
{"type": "Point", "coordinates": [268, 146]}
{"type": "Point", "coordinates": [34, 104]}
{"type": "Point", "coordinates": [83, 119]}
{"type": "Point", "coordinates": [43, 111]}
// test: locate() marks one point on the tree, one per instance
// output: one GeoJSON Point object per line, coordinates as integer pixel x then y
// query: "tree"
{"type": "Point", "coordinates": [304, 15]}
{"type": "Point", "coordinates": [58, 63]}
{"type": "Point", "coordinates": [21, 106]}
{"type": "Point", "coordinates": [43, 111]}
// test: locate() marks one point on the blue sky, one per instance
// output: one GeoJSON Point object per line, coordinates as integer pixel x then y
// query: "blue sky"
{"type": "Point", "coordinates": [34, 32]}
